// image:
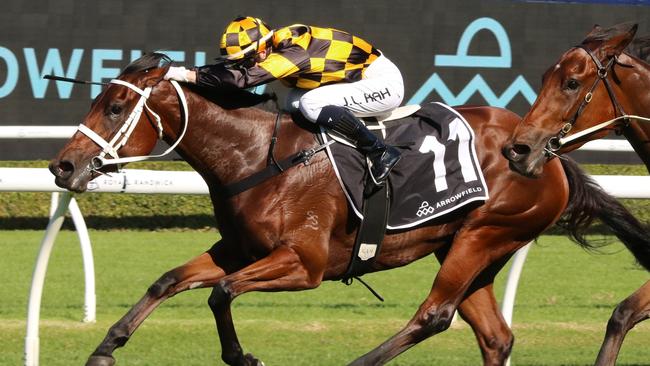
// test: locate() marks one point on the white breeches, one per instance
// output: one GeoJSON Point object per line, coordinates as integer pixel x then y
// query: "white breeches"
{"type": "Point", "coordinates": [381, 90]}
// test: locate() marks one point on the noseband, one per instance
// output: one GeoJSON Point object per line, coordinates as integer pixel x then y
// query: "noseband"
{"type": "Point", "coordinates": [122, 136]}
{"type": "Point", "coordinates": [555, 143]}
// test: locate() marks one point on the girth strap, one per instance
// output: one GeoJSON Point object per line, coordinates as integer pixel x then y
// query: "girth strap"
{"type": "Point", "coordinates": [370, 236]}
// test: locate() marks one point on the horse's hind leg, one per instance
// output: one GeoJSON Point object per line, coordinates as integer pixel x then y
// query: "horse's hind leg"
{"type": "Point", "coordinates": [283, 269]}
{"type": "Point", "coordinates": [202, 271]}
{"type": "Point", "coordinates": [481, 311]}
{"type": "Point", "coordinates": [494, 336]}
{"type": "Point", "coordinates": [473, 251]}
{"type": "Point", "coordinates": [627, 314]}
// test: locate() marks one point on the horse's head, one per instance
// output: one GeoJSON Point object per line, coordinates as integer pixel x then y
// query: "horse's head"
{"type": "Point", "coordinates": [118, 115]}
{"type": "Point", "coordinates": [577, 95]}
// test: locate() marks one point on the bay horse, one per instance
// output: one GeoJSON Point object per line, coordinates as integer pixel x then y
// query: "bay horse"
{"type": "Point", "coordinates": [595, 88]}
{"type": "Point", "coordinates": [295, 230]}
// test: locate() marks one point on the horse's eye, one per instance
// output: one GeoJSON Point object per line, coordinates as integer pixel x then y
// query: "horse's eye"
{"type": "Point", "coordinates": [116, 109]}
{"type": "Point", "coordinates": [572, 84]}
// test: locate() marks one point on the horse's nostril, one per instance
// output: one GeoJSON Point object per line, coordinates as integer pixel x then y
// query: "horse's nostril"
{"type": "Point", "coordinates": [516, 152]}
{"type": "Point", "coordinates": [521, 149]}
{"type": "Point", "coordinates": [62, 169]}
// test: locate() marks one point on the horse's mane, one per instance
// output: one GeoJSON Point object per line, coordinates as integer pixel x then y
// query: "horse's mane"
{"type": "Point", "coordinates": [148, 61]}
{"type": "Point", "coordinates": [640, 47]}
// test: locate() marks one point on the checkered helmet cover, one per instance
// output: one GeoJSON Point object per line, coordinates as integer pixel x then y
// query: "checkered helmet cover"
{"type": "Point", "coordinates": [244, 37]}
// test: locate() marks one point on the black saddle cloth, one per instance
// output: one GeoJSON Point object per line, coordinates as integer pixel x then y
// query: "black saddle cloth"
{"type": "Point", "coordinates": [438, 172]}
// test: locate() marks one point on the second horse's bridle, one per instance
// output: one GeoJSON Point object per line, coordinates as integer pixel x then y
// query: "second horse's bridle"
{"type": "Point", "coordinates": [556, 142]}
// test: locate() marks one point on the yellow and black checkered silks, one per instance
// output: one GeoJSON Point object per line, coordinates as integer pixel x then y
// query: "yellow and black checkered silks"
{"type": "Point", "coordinates": [302, 56]}
{"type": "Point", "coordinates": [307, 57]}
{"type": "Point", "coordinates": [239, 36]}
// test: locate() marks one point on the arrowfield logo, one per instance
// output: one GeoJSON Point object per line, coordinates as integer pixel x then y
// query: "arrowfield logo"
{"type": "Point", "coordinates": [425, 209]}
{"type": "Point", "coordinates": [477, 84]}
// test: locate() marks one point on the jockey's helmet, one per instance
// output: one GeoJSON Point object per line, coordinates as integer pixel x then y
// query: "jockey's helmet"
{"type": "Point", "coordinates": [245, 37]}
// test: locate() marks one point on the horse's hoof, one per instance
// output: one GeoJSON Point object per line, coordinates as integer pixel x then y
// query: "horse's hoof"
{"type": "Point", "coordinates": [100, 361]}
{"type": "Point", "coordinates": [250, 360]}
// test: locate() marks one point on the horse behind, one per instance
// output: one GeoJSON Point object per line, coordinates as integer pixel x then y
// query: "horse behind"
{"type": "Point", "coordinates": [266, 242]}
{"type": "Point", "coordinates": [594, 89]}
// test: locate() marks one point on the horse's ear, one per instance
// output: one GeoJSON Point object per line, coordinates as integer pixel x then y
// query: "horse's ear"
{"type": "Point", "coordinates": [622, 35]}
{"type": "Point", "coordinates": [595, 30]}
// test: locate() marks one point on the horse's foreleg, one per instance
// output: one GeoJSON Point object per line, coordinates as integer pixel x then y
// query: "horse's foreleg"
{"type": "Point", "coordinates": [202, 271]}
{"type": "Point", "coordinates": [283, 269]}
{"type": "Point", "coordinates": [627, 314]}
{"type": "Point", "coordinates": [472, 252]}
{"type": "Point", "coordinates": [481, 311]}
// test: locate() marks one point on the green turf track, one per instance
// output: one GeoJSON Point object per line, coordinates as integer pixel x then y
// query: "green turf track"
{"type": "Point", "coordinates": [566, 296]}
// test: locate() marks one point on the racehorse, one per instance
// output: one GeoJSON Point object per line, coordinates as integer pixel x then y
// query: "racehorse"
{"type": "Point", "coordinates": [266, 244]}
{"type": "Point", "coordinates": [636, 307]}
{"type": "Point", "coordinates": [594, 88]}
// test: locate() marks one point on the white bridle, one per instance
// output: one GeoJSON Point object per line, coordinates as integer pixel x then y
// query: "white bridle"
{"type": "Point", "coordinates": [124, 133]}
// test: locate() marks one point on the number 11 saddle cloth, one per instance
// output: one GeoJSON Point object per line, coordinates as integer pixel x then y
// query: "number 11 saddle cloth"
{"type": "Point", "coordinates": [438, 172]}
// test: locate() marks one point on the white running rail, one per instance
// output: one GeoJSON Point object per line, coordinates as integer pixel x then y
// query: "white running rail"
{"type": "Point", "coordinates": [41, 180]}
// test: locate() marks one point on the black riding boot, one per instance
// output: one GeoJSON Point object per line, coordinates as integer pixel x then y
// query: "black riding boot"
{"type": "Point", "coordinates": [381, 158]}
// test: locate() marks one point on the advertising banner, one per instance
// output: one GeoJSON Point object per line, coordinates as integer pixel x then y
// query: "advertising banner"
{"type": "Point", "coordinates": [466, 52]}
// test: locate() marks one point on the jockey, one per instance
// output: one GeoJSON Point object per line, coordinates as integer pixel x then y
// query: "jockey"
{"type": "Point", "coordinates": [343, 76]}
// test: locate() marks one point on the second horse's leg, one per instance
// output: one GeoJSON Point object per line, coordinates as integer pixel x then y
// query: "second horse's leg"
{"type": "Point", "coordinates": [627, 314]}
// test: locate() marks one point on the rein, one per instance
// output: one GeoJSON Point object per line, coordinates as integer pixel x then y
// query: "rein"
{"type": "Point", "coordinates": [122, 136]}
{"type": "Point", "coordinates": [557, 142]}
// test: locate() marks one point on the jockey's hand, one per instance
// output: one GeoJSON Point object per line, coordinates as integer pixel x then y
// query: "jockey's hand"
{"type": "Point", "coordinates": [178, 73]}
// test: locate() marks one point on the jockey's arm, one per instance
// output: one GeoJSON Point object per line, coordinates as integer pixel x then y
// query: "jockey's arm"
{"type": "Point", "coordinates": [276, 66]}
{"type": "Point", "coordinates": [217, 75]}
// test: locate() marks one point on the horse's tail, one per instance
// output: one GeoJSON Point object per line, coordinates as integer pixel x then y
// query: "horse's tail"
{"type": "Point", "coordinates": [588, 201]}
